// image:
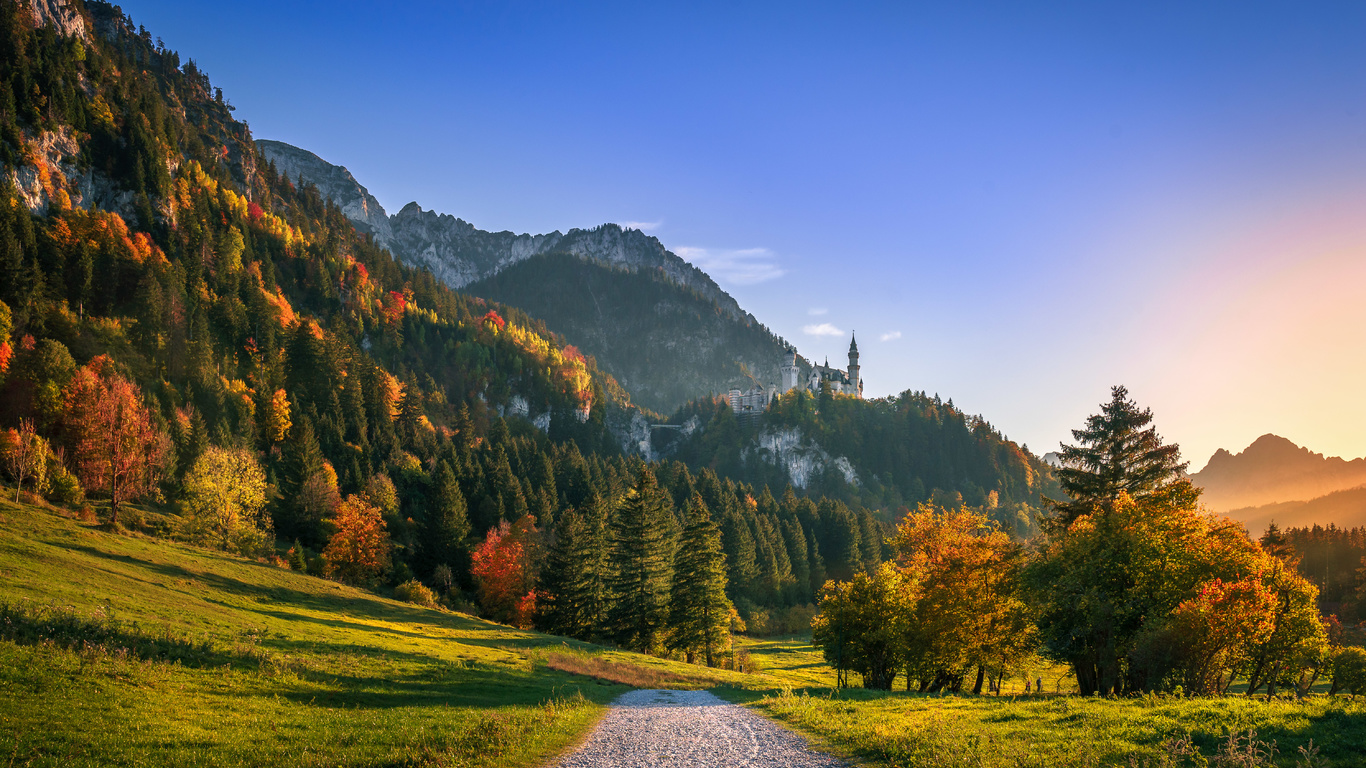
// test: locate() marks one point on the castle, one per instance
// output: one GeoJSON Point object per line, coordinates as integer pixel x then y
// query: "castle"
{"type": "Point", "coordinates": [847, 382]}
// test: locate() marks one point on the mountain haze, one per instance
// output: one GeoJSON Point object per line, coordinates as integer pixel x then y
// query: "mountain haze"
{"type": "Point", "coordinates": [1274, 470]}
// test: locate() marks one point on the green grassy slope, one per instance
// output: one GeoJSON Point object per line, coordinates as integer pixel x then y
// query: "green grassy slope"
{"type": "Point", "coordinates": [122, 650]}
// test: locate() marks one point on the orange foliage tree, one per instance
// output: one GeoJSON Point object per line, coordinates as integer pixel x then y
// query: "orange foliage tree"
{"type": "Point", "coordinates": [501, 568]}
{"type": "Point", "coordinates": [359, 550]}
{"type": "Point", "coordinates": [118, 447]}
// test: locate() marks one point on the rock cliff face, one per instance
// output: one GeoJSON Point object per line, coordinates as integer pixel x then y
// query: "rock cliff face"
{"type": "Point", "coordinates": [335, 183]}
{"type": "Point", "coordinates": [460, 254]}
{"type": "Point", "coordinates": [61, 15]}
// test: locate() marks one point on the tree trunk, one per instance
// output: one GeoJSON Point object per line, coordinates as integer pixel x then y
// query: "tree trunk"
{"type": "Point", "coordinates": [981, 675]}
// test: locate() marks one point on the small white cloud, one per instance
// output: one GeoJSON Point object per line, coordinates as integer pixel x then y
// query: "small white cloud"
{"type": "Point", "coordinates": [817, 311]}
{"type": "Point", "coordinates": [643, 226]}
{"type": "Point", "coordinates": [744, 266]}
{"type": "Point", "coordinates": [824, 329]}
{"type": "Point", "coordinates": [890, 336]}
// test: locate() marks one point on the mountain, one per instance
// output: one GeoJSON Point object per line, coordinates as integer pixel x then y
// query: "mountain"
{"type": "Point", "coordinates": [666, 344]}
{"type": "Point", "coordinates": [659, 325]}
{"type": "Point", "coordinates": [1274, 470]}
{"type": "Point", "coordinates": [334, 182]}
{"type": "Point", "coordinates": [1344, 509]}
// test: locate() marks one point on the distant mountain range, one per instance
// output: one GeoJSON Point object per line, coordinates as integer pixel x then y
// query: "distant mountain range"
{"type": "Point", "coordinates": [658, 324]}
{"type": "Point", "coordinates": [1273, 476]}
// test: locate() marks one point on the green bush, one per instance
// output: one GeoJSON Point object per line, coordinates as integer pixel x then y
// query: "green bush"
{"type": "Point", "coordinates": [64, 488]}
{"type": "Point", "coordinates": [1349, 671]}
{"type": "Point", "coordinates": [414, 591]}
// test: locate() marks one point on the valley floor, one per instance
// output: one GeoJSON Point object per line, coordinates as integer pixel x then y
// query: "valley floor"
{"type": "Point", "coordinates": [126, 650]}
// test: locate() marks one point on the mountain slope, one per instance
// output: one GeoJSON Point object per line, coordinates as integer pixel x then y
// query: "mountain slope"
{"type": "Point", "coordinates": [1274, 470]}
{"type": "Point", "coordinates": [659, 325]}
{"type": "Point", "coordinates": [664, 343]}
{"type": "Point", "coordinates": [1345, 509]}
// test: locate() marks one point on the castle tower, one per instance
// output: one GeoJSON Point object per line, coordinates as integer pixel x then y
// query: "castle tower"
{"type": "Point", "coordinates": [855, 385]}
{"type": "Point", "coordinates": [789, 370]}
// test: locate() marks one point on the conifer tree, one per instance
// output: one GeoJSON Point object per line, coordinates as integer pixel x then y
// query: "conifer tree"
{"type": "Point", "coordinates": [699, 611]}
{"type": "Point", "coordinates": [642, 563]}
{"type": "Point", "coordinates": [447, 521]}
{"type": "Point", "coordinates": [1119, 452]}
{"type": "Point", "coordinates": [571, 582]}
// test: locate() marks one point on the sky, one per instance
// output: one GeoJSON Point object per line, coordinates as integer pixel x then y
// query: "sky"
{"type": "Point", "coordinates": [1015, 205]}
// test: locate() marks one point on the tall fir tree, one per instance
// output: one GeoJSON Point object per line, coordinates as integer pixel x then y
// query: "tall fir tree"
{"type": "Point", "coordinates": [447, 524]}
{"type": "Point", "coordinates": [699, 611]}
{"type": "Point", "coordinates": [641, 559]}
{"type": "Point", "coordinates": [571, 582]}
{"type": "Point", "coordinates": [1118, 452]}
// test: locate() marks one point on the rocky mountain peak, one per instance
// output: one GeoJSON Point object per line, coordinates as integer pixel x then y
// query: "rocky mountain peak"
{"type": "Point", "coordinates": [334, 182]}
{"type": "Point", "coordinates": [61, 15]}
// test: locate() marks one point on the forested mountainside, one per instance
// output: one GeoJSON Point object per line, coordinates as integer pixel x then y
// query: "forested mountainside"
{"type": "Point", "coordinates": [659, 325]}
{"type": "Point", "coordinates": [886, 453]}
{"type": "Point", "coordinates": [665, 343]}
{"type": "Point", "coordinates": [1274, 470]}
{"type": "Point", "coordinates": [183, 327]}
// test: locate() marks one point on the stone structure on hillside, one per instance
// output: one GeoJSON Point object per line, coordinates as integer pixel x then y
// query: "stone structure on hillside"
{"type": "Point", "coordinates": [750, 404]}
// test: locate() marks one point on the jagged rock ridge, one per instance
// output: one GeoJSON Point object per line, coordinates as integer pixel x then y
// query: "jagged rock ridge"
{"type": "Point", "coordinates": [334, 182]}
{"type": "Point", "coordinates": [459, 253]}
{"type": "Point", "coordinates": [1272, 470]}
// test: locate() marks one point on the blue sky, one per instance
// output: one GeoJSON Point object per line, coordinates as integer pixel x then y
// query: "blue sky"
{"type": "Point", "coordinates": [1015, 205]}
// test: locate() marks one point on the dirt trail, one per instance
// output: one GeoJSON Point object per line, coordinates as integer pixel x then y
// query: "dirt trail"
{"type": "Point", "coordinates": [682, 729]}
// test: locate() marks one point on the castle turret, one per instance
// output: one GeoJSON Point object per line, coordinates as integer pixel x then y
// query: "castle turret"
{"type": "Point", "coordinates": [789, 370]}
{"type": "Point", "coordinates": [855, 385]}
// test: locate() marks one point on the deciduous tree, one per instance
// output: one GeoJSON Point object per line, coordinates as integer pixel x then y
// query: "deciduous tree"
{"type": "Point", "coordinates": [359, 550]}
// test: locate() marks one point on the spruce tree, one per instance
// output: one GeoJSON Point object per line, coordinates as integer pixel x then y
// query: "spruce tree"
{"type": "Point", "coordinates": [699, 611]}
{"type": "Point", "coordinates": [447, 522]}
{"type": "Point", "coordinates": [1119, 452]}
{"type": "Point", "coordinates": [641, 562]}
{"type": "Point", "coordinates": [571, 580]}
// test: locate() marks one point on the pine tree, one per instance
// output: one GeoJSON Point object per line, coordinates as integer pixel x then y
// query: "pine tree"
{"type": "Point", "coordinates": [447, 522]}
{"type": "Point", "coordinates": [1118, 452]}
{"type": "Point", "coordinates": [571, 582]}
{"type": "Point", "coordinates": [642, 561]}
{"type": "Point", "coordinates": [699, 611]}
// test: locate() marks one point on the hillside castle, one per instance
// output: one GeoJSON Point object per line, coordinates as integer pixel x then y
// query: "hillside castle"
{"type": "Point", "coordinates": [845, 382]}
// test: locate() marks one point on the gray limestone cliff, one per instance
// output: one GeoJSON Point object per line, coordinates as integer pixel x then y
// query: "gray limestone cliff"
{"type": "Point", "coordinates": [459, 253]}
{"type": "Point", "coordinates": [334, 182]}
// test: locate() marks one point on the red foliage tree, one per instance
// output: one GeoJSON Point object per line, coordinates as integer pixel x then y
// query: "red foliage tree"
{"type": "Point", "coordinates": [501, 568]}
{"type": "Point", "coordinates": [493, 319]}
{"type": "Point", "coordinates": [359, 550]}
{"type": "Point", "coordinates": [117, 446]}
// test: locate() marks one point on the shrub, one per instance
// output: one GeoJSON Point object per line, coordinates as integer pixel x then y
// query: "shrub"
{"type": "Point", "coordinates": [65, 488]}
{"type": "Point", "coordinates": [1349, 671]}
{"type": "Point", "coordinates": [414, 591]}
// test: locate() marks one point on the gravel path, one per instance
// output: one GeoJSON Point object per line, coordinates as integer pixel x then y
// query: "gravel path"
{"type": "Point", "coordinates": [682, 729]}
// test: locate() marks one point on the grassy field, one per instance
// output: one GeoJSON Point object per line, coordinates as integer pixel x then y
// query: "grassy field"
{"type": "Point", "coordinates": [123, 650]}
{"type": "Point", "coordinates": [909, 730]}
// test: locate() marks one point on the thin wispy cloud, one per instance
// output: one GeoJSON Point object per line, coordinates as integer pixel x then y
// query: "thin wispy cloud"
{"type": "Point", "coordinates": [817, 311]}
{"type": "Point", "coordinates": [744, 266]}
{"type": "Point", "coordinates": [824, 329]}
{"type": "Point", "coordinates": [643, 226]}
{"type": "Point", "coordinates": [890, 336]}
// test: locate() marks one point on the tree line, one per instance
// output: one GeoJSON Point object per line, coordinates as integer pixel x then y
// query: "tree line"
{"type": "Point", "coordinates": [1130, 583]}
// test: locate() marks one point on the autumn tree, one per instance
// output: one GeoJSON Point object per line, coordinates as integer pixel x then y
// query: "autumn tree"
{"type": "Point", "coordinates": [699, 611]}
{"type": "Point", "coordinates": [641, 556]}
{"type": "Point", "coordinates": [118, 448]}
{"type": "Point", "coordinates": [225, 499]}
{"type": "Point", "coordinates": [969, 612]}
{"type": "Point", "coordinates": [26, 455]}
{"type": "Point", "coordinates": [359, 550]}
{"type": "Point", "coordinates": [501, 570]}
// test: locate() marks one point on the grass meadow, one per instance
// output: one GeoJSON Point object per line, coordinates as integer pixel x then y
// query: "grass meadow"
{"type": "Point", "coordinates": [124, 650]}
